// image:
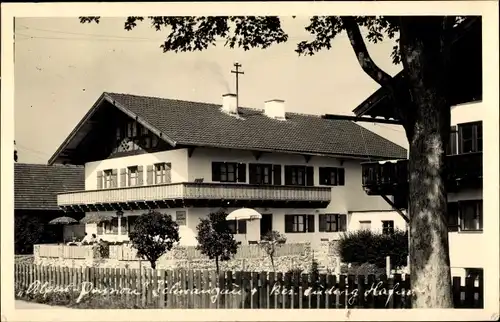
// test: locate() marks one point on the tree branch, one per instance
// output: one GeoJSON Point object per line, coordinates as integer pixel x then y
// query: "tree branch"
{"type": "Point", "coordinates": [364, 59]}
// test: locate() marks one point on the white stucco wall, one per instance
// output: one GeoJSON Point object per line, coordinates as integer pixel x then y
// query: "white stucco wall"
{"type": "Point", "coordinates": [177, 158]}
{"type": "Point", "coordinates": [376, 218]}
{"type": "Point", "coordinates": [469, 112]}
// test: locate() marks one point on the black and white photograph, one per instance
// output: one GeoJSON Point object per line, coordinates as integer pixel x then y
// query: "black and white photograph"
{"type": "Point", "coordinates": [334, 157]}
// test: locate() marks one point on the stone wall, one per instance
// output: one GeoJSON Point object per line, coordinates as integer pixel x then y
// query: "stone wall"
{"type": "Point", "coordinates": [177, 258]}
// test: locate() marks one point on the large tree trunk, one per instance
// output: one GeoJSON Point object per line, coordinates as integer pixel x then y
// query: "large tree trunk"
{"type": "Point", "coordinates": [428, 131]}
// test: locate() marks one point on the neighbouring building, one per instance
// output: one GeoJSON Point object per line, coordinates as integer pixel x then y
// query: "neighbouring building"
{"type": "Point", "coordinates": [301, 172]}
{"type": "Point", "coordinates": [35, 203]}
{"type": "Point", "coordinates": [464, 161]}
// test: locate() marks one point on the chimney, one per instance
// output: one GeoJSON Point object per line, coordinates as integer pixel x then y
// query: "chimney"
{"type": "Point", "coordinates": [275, 109]}
{"type": "Point", "coordinates": [229, 104]}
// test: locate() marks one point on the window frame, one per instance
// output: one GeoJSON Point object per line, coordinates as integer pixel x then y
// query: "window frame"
{"type": "Point", "coordinates": [361, 222]}
{"type": "Point", "coordinates": [478, 215]}
{"type": "Point", "coordinates": [388, 229]}
{"type": "Point", "coordinates": [160, 173]}
{"type": "Point", "coordinates": [326, 174]}
{"type": "Point", "coordinates": [476, 137]}
{"type": "Point", "coordinates": [107, 179]}
{"type": "Point", "coordinates": [130, 171]}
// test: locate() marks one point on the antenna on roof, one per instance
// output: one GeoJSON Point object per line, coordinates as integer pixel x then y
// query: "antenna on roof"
{"type": "Point", "coordinates": [237, 72]}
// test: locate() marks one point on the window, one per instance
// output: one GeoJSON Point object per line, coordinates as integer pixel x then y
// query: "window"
{"type": "Point", "coordinates": [131, 129]}
{"type": "Point", "coordinates": [228, 172]}
{"type": "Point", "coordinates": [470, 137]}
{"type": "Point", "coordinates": [154, 141]}
{"type": "Point", "coordinates": [299, 176]}
{"type": "Point", "coordinates": [471, 215]}
{"type": "Point", "coordinates": [147, 142]}
{"type": "Point", "coordinates": [237, 226]}
{"type": "Point", "coordinates": [387, 227]}
{"type": "Point", "coordinates": [118, 134]}
{"type": "Point", "coordinates": [111, 227]}
{"type": "Point", "coordinates": [261, 173]}
{"type": "Point", "coordinates": [133, 176]}
{"type": "Point", "coordinates": [160, 173]}
{"type": "Point", "coordinates": [332, 176]}
{"type": "Point", "coordinates": [107, 179]}
{"type": "Point", "coordinates": [365, 225]}
{"type": "Point", "coordinates": [332, 222]}
{"type": "Point", "coordinates": [299, 223]}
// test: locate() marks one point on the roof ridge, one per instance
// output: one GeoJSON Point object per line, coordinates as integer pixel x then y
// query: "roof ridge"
{"type": "Point", "coordinates": [207, 103]}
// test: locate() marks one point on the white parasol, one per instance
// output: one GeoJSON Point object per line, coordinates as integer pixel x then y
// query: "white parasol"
{"type": "Point", "coordinates": [244, 214]}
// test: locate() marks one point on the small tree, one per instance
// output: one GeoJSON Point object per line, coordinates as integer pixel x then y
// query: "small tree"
{"type": "Point", "coordinates": [270, 243]}
{"type": "Point", "coordinates": [154, 234]}
{"type": "Point", "coordinates": [215, 239]}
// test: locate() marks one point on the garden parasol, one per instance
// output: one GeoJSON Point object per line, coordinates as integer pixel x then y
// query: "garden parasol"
{"type": "Point", "coordinates": [97, 217]}
{"type": "Point", "coordinates": [244, 214]}
{"type": "Point", "coordinates": [64, 220]}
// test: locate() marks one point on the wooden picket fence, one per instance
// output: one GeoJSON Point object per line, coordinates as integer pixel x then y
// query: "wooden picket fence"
{"type": "Point", "coordinates": [255, 290]}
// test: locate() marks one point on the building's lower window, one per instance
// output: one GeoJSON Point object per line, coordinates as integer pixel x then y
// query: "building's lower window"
{"type": "Point", "coordinates": [332, 222]}
{"type": "Point", "coordinates": [387, 227]}
{"type": "Point", "coordinates": [365, 225]}
{"type": "Point", "coordinates": [299, 223]}
{"type": "Point", "coordinates": [471, 215]}
{"type": "Point", "coordinates": [237, 226]}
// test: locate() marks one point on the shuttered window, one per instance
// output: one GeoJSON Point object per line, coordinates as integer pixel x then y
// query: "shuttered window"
{"type": "Point", "coordinates": [237, 226]}
{"type": "Point", "coordinates": [228, 172]}
{"type": "Point", "coordinates": [133, 176]}
{"type": "Point", "coordinates": [332, 222]}
{"type": "Point", "coordinates": [299, 176]}
{"type": "Point", "coordinates": [331, 176]}
{"type": "Point", "coordinates": [108, 179]}
{"type": "Point", "coordinates": [299, 223]}
{"type": "Point", "coordinates": [162, 173]}
{"type": "Point", "coordinates": [451, 149]}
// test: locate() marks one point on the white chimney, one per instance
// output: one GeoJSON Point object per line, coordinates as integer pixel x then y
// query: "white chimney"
{"type": "Point", "coordinates": [229, 104]}
{"type": "Point", "coordinates": [275, 109]}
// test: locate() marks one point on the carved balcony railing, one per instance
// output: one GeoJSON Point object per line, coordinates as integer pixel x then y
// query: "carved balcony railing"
{"type": "Point", "coordinates": [391, 177]}
{"type": "Point", "coordinates": [195, 194]}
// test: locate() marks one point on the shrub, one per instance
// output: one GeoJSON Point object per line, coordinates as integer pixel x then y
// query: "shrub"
{"type": "Point", "coordinates": [28, 231]}
{"type": "Point", "coordinates": [365, 246]}
{"type": "Point", "coordinates": [215, 239]}
{"type": "Point", "coordinates": [154, 234]}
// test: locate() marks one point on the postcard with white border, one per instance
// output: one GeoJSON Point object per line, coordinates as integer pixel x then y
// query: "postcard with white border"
{"type": "Point", "coordinates": [250, 161]}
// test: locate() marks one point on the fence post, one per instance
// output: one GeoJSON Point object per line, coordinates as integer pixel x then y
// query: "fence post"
{"type": "Point", "coordinates": [388, 266]}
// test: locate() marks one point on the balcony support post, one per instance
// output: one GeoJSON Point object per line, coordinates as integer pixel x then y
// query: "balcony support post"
{"type": "Point", "coordinates": [395, 208]}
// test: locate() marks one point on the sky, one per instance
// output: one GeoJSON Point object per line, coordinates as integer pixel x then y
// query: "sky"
{"type": "Point", "coordinates": [62, 67]}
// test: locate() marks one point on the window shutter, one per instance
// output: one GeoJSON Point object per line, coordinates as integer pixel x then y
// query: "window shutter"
{"type": "Point", "coordinates": [124, 226]}
{"type": "Point", "coordinates": [453, 216]}
{"type": "Point", "coordinates": [341, 176]}
{"type": "Point", "coordinates": [123, 177]}
{"type": "Point", "coordinates": [451, 149]}
{"type": "Point", "coordinates": [114, 178]}
{"type": "Point", "coordinates": [322, 223]}
{"type": "Point", "coordinates": [288, 175]}
{"type": "Point", "coordinates": [168, 173]}
{"type": "Point", "coordinates": [140, 174]}
{"type": "Point", "coordinates": [242, 227]}
{"type": "Point", "coordinates": [149, 175]}
{"type": "Point", "coordinates": [309, 176]}
{"type": "Point", "coordinates": [99, 179]}
{"type": "Point", "coordinates": [310, 223]}
{"type": "Point", "coordinates": [342, 222]}
{"type": "Point", "coordinates": [288, 223]}
{"type": "Point", "coordinates": [242, 172]}
{"type": "Point", "coordinates": [114, 226]}
{"type": "Point", "coordinates": [100, 228]}
{"type": "Point", "coordinates": [215, 171]}
{"type": "Point", "coordinates": [252, 173]}
{"type": "Point", "coordinates": [277, 174]}
{"type": "Point", "coordinates": [460, 145]}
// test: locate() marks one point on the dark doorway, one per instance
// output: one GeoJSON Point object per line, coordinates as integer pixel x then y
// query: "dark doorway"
{"type": "Point", "coordinates": [266, 224]}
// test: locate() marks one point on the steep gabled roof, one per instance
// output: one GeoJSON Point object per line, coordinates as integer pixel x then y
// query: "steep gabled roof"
{"type": "Point", "coordinates": [196, 124]}
{"type": "Point", "coordinates": [36, 185]}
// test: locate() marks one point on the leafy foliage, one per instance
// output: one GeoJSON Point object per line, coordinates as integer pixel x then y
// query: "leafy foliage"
{"type": "Point", "coordinates": [365, 246]}
{"type": "Point", "coordinates": [28, 231]}
{"type": "Point", "coordinates": [215, 239]}
{"type": "Point", "coordinates": [271, 242]}
{"type": "Point", "coordinates": [154, 234]}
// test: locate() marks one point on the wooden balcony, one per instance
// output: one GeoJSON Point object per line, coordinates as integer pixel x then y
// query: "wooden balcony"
{"type": "Point", "coordinates": [391, 177]}
{"type": "Point", "coordinates": [188, 194]}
